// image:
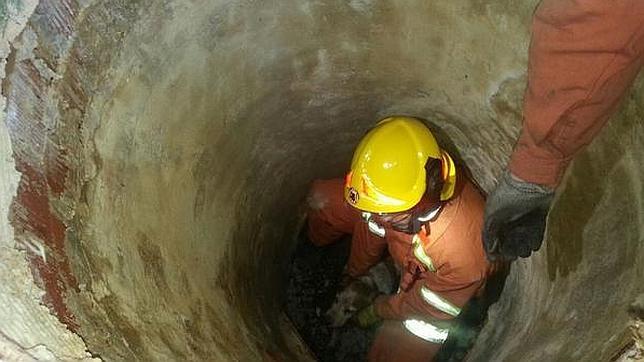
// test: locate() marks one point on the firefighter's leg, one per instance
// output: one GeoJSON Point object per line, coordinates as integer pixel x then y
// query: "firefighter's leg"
{"type": "Point", "coordinates": [394, 343]}
{"type": "Point", "coordinates": [329, 217]}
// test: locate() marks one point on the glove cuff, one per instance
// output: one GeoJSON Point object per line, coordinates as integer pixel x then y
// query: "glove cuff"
{"type": "Point", "coordinates": [525, 186]}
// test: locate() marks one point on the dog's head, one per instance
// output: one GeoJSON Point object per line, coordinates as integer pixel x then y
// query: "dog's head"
{"type": "Point", "coordinates": [358, 295]}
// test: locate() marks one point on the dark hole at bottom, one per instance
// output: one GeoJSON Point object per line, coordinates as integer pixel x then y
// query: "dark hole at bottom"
{"type": "Point", "coordinates": [315, 274]}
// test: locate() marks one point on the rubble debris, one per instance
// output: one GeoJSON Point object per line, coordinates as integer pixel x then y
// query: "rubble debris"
{"type": "Point", "coordinates": [315, 275]}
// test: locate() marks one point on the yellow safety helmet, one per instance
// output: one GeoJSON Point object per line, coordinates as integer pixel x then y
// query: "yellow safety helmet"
{"type": "Point", "coordinates": [388, 168]}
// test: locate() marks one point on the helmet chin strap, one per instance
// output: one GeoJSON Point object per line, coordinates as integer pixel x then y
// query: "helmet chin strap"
{"type": "Point", "coordinates": [413, 227]}
{"type": "Point", "coordinates": [419, 220]}
{"type": "Point", "coordinates": [431, 214]}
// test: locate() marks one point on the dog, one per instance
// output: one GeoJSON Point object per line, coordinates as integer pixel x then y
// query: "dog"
{"type": "Point", "coordinates": [382, 278]}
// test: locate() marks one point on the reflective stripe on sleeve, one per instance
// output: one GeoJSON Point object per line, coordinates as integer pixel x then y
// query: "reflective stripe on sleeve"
{"type": "Point", "coordinates": [373, 226]}
{"type": "Point", "coordinates": [438, 302]}
{"type": "Point", "coordinates": [426, 331]}
{"type": "Point", "coordinates": [420, 254]}
{"type": "Point", "coordinates": [376, 229]}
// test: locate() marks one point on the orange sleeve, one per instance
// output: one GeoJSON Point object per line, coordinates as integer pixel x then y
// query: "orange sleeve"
{"type": "Point", "coordinates": [584, 55]}
{"type": "Point", "coordinates": [412, 304]}
{"type": "Point", "coordinates": [361, 259]}
{"type": "Point", "coordinates": [366, 250]}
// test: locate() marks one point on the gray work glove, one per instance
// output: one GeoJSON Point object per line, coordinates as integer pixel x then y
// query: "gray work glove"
{"type": "Point", "coordinates": [515, 218]}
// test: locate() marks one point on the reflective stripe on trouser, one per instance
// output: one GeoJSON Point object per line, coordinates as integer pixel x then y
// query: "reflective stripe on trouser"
{"type": "Point", "coordinates": [439, 302]}
{"type": "Point", "coordinates": [394, 343]}
{"type": "Point", "coordinates": [426, 331]}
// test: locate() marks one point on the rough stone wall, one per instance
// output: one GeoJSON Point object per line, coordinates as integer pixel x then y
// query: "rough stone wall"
{"type": "Point", "coordinates": [27, 329]}
{"type": "Point", "coordinates": [124, 308]}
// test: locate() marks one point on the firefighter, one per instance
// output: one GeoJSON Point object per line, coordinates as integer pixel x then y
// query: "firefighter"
{"type": "Point", "coordinates": [584, 56]}
{"type": "Point", "coordinates": [404, 195]}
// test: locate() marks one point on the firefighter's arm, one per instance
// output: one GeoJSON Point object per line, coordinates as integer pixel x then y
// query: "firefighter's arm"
{"type": "Point", "coordinates": [584, 55]}
{"type": "Point", "coordinates": [366, 251]}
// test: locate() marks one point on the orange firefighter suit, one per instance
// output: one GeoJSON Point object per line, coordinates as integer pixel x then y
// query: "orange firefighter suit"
{"type": "Point", "coordinates": [584, 56]}
{"type": "Point", "coordinates": [442, 266]}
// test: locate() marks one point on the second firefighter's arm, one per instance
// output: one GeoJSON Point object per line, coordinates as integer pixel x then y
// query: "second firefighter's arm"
{"type": "Point", "coordinates": [584, 56]}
